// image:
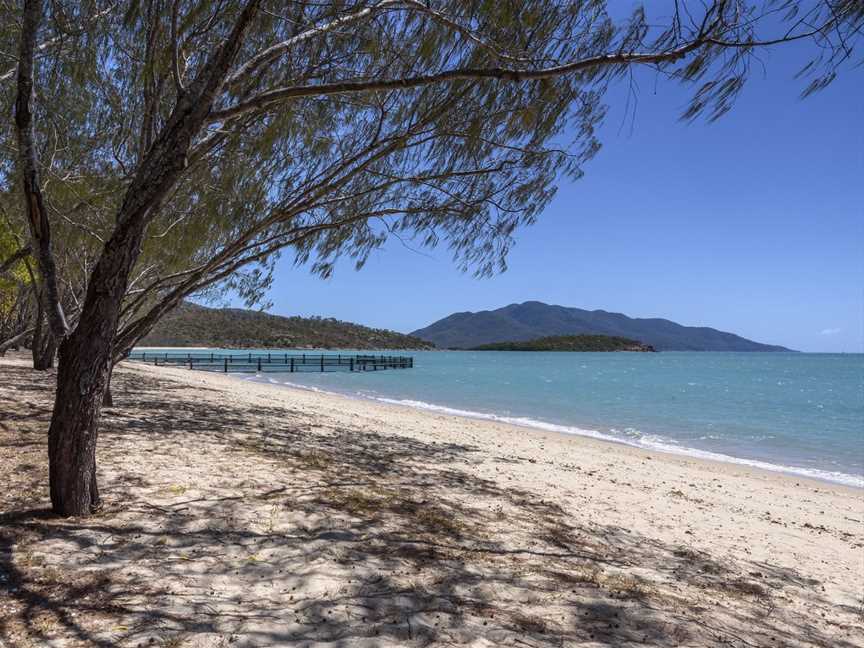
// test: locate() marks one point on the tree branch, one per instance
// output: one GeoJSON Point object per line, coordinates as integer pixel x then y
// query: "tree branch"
{"type": "Point", "coordinates": [15, 258]}
{"type": "Point", "coordinates": [274, 52]}
{"type": "Point", "coordinates": [37, 213]}
{"type": "Point", "coordinates": [10, 342]}
{"type": "Point", "coordinates": [175, 50]}
{"type": "Point", "coordinates": [9, 74]}
{"type": "Point", "coordinates": [264, 100]}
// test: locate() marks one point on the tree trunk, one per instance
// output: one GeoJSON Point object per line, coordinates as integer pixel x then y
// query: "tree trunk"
{"type": "Point", "coordinates": [82, 377]}
{"type": "Point", "coordinates": [43, 355]}
{"type": "Point", "coordinates": [83, 370]}
{"type": "Point", "coordinates": [36, 341]}
{"type": "Point", "coordinates": [108, 399]}
{"type": "Point", "coordinates": [85, 356]}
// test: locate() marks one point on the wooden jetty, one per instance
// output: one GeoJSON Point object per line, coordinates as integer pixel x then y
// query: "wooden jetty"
{"type": "Point", "coordinates": [273, 362]}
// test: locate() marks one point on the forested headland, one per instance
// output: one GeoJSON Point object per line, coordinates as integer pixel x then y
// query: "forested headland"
{"type": "Point", "coordinates": [193, 325]}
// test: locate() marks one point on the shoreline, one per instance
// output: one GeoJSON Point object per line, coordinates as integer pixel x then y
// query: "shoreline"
{"type": "Point", "coordinates": [566, 432]}
{"type": "Point", "coordinates": [656, 442]}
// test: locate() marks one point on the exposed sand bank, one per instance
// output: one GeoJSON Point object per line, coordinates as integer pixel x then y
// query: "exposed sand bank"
{"type": "Point", "coordinates": [248, 514]}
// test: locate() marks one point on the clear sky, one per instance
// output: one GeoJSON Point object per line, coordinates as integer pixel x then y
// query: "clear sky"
{"type": "Point", "coordinates": [753, 224]}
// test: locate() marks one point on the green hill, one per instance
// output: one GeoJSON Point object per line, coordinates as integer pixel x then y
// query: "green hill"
{"type": "Point", "coordinates": [569, 343]}
{"type": "Point", "coordinates": [193, 325]}
{"type": "Point", "coordinates": [532, 320]}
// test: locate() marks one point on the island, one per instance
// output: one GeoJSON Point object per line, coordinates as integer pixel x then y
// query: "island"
{"type": "Point", "coordinates": [570, 343]}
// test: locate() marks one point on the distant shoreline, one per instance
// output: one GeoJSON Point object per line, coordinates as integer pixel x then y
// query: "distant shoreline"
{"type": "Point", "coordinates": [436, 349]}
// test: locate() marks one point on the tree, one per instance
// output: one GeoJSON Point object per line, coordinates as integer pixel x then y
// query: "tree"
{"type": "Point", "coordinates": [18, 273]}
{"type": "Point", "coordinates": [16, 307]}
{"type": "Point", "coordinates": [207, 137]}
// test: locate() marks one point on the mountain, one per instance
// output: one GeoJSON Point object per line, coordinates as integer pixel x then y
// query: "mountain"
{"type": "Point", "coordinates": [569, 343]}
{"type": "Point", "coordinates": [531, 320]}
{"type": "Point", "coordinates": [193, 325]}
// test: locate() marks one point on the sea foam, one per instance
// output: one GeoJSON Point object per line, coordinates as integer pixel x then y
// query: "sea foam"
{"type": "Point", "coordinates": [729, 408]}
{"type": "Point", "coordinates": [635, 439]}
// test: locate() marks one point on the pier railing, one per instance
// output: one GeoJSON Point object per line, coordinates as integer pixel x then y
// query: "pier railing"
{"type": "Point", "coordinates": [262, 362]}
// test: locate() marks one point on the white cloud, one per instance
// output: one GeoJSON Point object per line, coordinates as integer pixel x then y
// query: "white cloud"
{"type": "Point", "coordinates": [830, 331]}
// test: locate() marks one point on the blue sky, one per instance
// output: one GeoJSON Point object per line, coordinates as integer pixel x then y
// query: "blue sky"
{"type": "Point", "coordinates": [753, 224]}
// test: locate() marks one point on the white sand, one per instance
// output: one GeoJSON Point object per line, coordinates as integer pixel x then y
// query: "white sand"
{"type": "Point", "coordinates": [251, 514]}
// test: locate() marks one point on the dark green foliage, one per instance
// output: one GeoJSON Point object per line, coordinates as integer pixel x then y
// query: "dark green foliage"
{"type": "Point", "coordinates": [532, 320]}
{"type": "Point", "coordinates": [193, 325]}
{"type": "Point", "coordinates": [569, 343]}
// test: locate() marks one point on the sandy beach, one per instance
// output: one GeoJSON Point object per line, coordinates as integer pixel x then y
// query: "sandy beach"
{"type": "Point", "coordinates": [247, 514]}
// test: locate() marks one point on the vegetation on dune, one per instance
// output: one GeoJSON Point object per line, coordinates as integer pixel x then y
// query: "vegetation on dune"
{"type": "Point", "coordinates": [193, 325]}
{"type": "Point", "coordinates": [569, 343]}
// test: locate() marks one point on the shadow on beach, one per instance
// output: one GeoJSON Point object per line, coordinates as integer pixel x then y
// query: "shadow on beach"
{"type": "Point", "coordinates": [232, 524]}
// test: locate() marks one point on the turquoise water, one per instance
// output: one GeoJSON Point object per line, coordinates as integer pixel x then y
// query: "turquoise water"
{"type": "Point", "coordinates": [794, 412]}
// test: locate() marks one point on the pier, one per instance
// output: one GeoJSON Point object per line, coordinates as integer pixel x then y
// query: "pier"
{"type": "Point", "coordinates": [273, 362]}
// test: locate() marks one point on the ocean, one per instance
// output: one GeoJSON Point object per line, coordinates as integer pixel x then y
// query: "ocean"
{"type": "Point", "coordinates": [798, 413]}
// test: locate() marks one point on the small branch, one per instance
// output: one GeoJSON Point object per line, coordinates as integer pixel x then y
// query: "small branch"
{"type": "Point", "coordinates": [274, 52]}
{"type": "Point", "coordinates": [175, 47]}
{"type": "Point", "coordinates": [9, 74]}
{"type": "Point", "coordinates": [15, 258]}
{"type": "Point", "coordinates": [775, 41]}
{"type": "Point", "coordinates": [6, 344]}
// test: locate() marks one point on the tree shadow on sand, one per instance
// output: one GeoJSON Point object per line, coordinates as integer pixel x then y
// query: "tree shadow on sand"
{"type": "Point", "coordinates": [284, 531]}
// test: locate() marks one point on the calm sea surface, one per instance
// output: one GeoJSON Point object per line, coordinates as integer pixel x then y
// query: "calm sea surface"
{"type": "Point", "coordinates": [794, 412]}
